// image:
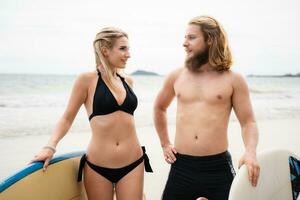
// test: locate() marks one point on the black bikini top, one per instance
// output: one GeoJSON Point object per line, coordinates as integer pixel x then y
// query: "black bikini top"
{"type": "Point", "coordinates": [105, 103]}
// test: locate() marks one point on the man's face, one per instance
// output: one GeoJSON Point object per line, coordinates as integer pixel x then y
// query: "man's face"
{"type": "Point", "coordinates": [194, 42]}
{"type": "Point", "coordinates": [196, 48]}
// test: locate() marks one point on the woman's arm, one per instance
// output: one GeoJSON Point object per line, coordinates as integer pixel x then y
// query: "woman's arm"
{"type": "Point", "coordinates": [77, 98]}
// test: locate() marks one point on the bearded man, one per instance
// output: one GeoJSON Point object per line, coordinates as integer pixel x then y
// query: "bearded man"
{"type": "Point", "coordinates": [206, 90]}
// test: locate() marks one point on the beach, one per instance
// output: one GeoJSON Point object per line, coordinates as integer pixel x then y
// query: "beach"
{"type": "Point", "coordinates": [275, 134]}
{"type": "Point", "coordinates": [28, 114]}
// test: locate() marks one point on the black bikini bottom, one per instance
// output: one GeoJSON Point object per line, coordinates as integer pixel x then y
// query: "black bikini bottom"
{"type": "Point", "coordinates": [114, 174]}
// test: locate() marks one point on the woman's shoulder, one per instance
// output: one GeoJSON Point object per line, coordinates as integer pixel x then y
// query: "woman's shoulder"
{"type": "Point", "coordinates": [87, 75]}
{"type": "Point", "coordinates": [128, 79]}
{"type": "Point", "coordinates": [85, 78]}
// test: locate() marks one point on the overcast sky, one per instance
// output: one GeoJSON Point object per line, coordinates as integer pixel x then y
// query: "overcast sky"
{"type": "Point", "coordinates": [55, 37]}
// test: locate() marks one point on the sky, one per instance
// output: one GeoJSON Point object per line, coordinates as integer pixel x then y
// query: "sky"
{"type": "Point", "coordinates": [55, 37]}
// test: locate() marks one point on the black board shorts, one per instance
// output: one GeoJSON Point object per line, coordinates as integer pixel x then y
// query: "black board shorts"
{"type": "Point", "coordinates": [192, 177]}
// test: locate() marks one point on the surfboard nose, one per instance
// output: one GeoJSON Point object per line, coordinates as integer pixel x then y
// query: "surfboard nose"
{"type": "Point", "coordinates": [59, 181]}
{"type": "Point", "coordinates": [274, 182]}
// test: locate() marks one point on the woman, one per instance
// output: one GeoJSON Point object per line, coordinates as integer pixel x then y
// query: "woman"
{"type": "Point", "coordinates": [114, 156]}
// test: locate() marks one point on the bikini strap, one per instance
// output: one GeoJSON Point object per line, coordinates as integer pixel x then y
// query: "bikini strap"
{"type": "Point", "coordinates": [98, 72]}
{"type": "Point", "coordinates": [146, 161]}
{"type": "Point", "coordinates": [121, 77]}
{"type": "Point", "coordinates": [127, 87]}
{"type": "Point", "coordinates": [81, 166]}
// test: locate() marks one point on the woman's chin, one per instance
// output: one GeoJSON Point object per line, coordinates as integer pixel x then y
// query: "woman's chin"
{"type": "Point", "coordinates": [121, 67]}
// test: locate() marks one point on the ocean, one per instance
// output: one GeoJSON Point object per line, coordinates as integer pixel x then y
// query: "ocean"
{"type": "Point", "coordinates": [32, 104]}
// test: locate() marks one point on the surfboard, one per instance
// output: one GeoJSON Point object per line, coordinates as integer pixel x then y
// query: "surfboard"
{"type": "Point", "coordinates": [274, 182]}
{"type": "Point", "coordinates": [59, 181]}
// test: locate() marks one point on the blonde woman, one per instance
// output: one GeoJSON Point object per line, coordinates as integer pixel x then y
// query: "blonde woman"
{"type": "Point", "coordinates": [114, 158]}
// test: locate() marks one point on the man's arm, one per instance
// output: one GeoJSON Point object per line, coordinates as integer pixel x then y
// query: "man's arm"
{"type": "Point", "coordinates": [243, 110]}
{"type": "Point", "coordinates": [162, 102]}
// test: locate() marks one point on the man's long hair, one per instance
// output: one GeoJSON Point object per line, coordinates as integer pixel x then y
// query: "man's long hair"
{"type": "Point", "coordinates": [219, 52]}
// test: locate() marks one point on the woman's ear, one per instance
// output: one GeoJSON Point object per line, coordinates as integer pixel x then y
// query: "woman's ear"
{"type": "Point", "coordinates": [104, 51]}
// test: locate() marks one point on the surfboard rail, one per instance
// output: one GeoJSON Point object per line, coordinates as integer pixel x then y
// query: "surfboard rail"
{"type": "Point", "coordinates": [33, 167]}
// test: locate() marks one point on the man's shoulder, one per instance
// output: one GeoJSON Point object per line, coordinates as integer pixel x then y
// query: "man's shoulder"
{"type": "Point", "coordinates": [176, 73]}
{"type": "Point", "coordinates": [236, 78]}
{"type": "Point", "coordinates": [172, 76]}
{"type": "Point", "coordinates": [232, 74]}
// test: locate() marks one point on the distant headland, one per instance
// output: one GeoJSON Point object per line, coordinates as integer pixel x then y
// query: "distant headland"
{"type": "Point", "coordinates": [143, 72]}
{"type": "Point", "coordinates": [275, 76]}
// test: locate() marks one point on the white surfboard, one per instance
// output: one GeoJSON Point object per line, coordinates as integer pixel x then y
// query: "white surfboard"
{"type": "Point", "coordinates": [274, 182]}
{"type": "Point", "coordinates": [59, 181]}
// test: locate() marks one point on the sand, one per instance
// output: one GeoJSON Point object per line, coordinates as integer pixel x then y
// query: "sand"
{"type": "Point", "coordinates": [16, 152]}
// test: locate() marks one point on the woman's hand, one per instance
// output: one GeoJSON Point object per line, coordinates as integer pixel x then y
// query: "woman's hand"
{"type": "Point", "coordinates": [45, 155]}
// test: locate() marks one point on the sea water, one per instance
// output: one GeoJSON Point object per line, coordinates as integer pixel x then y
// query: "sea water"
{"type": "Point", "coordinates": [32, 104]}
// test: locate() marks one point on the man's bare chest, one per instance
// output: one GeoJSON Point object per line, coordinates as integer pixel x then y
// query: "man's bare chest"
{"type": "Point", "coordinates": [212, 90]}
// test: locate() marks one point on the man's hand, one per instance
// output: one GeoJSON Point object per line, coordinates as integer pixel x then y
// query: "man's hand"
{"type": "Point", "coordinates": [169, 153]}
{"type": "Point", "coordinates": [249, 159]}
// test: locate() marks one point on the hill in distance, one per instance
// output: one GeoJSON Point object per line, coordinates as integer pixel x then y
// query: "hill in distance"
{"type": "Point", "coordinates": [143, 72]}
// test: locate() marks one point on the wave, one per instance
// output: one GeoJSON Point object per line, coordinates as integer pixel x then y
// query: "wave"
{"type": "Point", "coordinates": [31, 106]}
{"type": "Point", "coordinates": [256, 91]}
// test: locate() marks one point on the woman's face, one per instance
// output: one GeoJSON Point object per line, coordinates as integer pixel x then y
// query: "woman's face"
{"type": "Point", "coordinates": [117, 56]}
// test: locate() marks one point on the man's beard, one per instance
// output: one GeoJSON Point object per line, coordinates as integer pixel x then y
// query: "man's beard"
{"type": "Point", "coordinates": [195, 62]}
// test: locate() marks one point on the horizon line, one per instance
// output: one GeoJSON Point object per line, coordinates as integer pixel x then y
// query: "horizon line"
{"type": "Point", "coordinates": [159, 74]}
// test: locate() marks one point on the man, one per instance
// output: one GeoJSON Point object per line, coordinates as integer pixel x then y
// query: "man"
{"type": "Point", "coordinates": [206, 91]}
